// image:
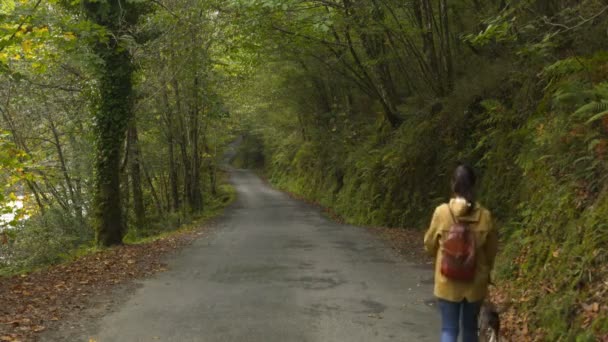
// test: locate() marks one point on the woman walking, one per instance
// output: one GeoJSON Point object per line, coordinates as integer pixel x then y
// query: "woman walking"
{"type": "Point", "coordinates": [463, 241]}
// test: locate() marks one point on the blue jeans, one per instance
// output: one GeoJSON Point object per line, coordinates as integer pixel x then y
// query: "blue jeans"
{"type": "Point", "coordinates": [452, 314]}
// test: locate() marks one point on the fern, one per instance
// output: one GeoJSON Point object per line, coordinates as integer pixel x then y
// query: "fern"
{"type": "Point", "coordinates": [598, 108]}
{"type": "Point", "coordinates": [599, 115]}
{"type": "Point", "coordinates": [571, 94]}
{"type": "Point", "coordinates": [592, 108]}
{"type": "Point", "coordinates": [563, 67]}
{"type": "Point", "coordinates": [590, 104]}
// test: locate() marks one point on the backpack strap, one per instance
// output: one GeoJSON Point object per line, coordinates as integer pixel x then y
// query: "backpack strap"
{"type": "Point", "coordinates": [452, 214]}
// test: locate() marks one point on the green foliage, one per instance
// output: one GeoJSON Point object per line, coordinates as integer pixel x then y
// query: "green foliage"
{"type": "Point", "coordinates": [498, 30]}
{"type": "Point", "coordinates": [362, 106]}
{"type": "Point", "coordinates": [43, 239]}
{"type": "Point", "coordinates": [536, 129]}
{"type": "Point", "coordinates": [175, 222]}
{"type": "Point", "coordinates": [53, 237]}
{"type": "Point", "coordinates": [11, 172]}
{"type": "Point", "coordinates": [76, 76]}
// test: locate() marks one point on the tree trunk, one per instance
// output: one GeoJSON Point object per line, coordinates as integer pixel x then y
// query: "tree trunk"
{"type": "Point", "coordinates": [64, 170]}
{"type": "Point", "coordinates": [111, 123]}
{"type": "Point", "coordinates": [186, 164]}
{"type": "Point", "coordinates": [183, 146]}
{"type": "Point", "coordinates": [382, 84]}
{"type": "Point", "coordinates": [447, 46]}
{"type": "Point", "coordinates": [211, 167]}
{"type": "Point", "coordinates": [423, 12]}
{"type": "Point", "coordinates": [196, 196]}
{"type": "Point", "coordinates": [157, 202]}
{"type": "Point", "coordinates": [112, 116]}
{"type": "Point", "coordinates": [135, 171]}
{"type": "Point", "coordinates": [173, 175]}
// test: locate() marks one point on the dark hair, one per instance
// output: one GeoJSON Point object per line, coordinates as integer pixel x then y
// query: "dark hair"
{"type": "Point", "coordinates": [463, 183]}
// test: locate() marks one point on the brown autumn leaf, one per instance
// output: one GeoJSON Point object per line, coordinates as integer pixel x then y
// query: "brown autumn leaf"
{"type": "Point", "coordinates": [18, 322]}
{"type": "Point", "coordinates": [38, 328]}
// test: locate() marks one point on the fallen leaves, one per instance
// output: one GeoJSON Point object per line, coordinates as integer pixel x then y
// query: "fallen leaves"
{"type": "Point", "coordinates": [407, 242]}
{"type": "Point", "coordinates": [10, 338]}
{"type": "Point", "coordinates": [518, 325]}
{"type": "Point", "coordinates": [33, 302]}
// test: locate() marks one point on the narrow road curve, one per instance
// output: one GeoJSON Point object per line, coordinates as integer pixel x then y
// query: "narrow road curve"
{"type": "Point", "coordinates": [275, 269]}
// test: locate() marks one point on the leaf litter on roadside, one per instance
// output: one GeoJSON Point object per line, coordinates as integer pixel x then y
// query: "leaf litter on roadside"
{"type": "Point", "coordinates": [33, 302]}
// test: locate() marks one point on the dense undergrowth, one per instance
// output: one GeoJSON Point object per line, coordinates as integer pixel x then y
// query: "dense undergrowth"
{"type": "Point", "coordinates": [535, 128]}
{"type": "Point", "coordinates": [52, 238]}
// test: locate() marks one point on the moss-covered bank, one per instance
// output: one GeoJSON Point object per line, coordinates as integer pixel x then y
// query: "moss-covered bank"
{"type": "Point", "coordinates": [538, 138]}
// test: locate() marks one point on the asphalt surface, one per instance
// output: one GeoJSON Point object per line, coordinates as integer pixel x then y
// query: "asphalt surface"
{"type": "Point", "coordinates": [276, 269]}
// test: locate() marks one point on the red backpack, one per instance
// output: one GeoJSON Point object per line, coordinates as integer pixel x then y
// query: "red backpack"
{"type": "Point", "coordinates": [458, 252]}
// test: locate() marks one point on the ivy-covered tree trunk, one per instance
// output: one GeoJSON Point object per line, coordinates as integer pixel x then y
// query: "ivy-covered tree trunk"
{"type": "Point", "coordinates": [111, 122]}
{"type": "Point", "coordinates": [112, 115]}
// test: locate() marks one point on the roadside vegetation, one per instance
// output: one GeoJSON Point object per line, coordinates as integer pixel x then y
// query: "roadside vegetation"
{"type": "Point", "coordinates": [111, 127]}
{"type": "Point", "coordinates": [374, 103]}
{"type": "Point", "coordinates": [114, 116]}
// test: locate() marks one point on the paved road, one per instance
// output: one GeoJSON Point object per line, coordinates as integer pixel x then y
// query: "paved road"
{"type": "Point", "coordinates": [277, 270]}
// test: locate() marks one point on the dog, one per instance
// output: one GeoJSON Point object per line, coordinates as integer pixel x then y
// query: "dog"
{"type": "Point", "coordinates": [489, 323]}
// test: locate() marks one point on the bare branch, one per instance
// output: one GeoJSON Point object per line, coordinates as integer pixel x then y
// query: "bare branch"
{"type": "Point", "coordinates": [583, 22]}
{"type": "Point", "coordinates": [166, 9]}
{"type": "Point", "coordinates": [307, 37]}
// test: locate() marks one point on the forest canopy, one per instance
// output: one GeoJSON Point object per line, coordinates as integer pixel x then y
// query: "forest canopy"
{"type": "Point", "coordinates": [114, 115]}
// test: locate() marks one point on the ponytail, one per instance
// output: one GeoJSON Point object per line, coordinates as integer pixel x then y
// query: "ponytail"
{"type": "Point", "coordinates": [463, 184]}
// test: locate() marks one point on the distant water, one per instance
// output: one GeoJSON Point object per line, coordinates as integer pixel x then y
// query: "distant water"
{"type": "Point", "coordinates": [16, 205]}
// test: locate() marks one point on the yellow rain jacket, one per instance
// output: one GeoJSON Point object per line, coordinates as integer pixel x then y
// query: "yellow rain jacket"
{"type": "Point", "coordinates": [486, 236]}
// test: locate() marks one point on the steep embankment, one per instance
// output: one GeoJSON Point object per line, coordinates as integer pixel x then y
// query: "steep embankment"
{"type": "Point", "coordinates": [539, 139]}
